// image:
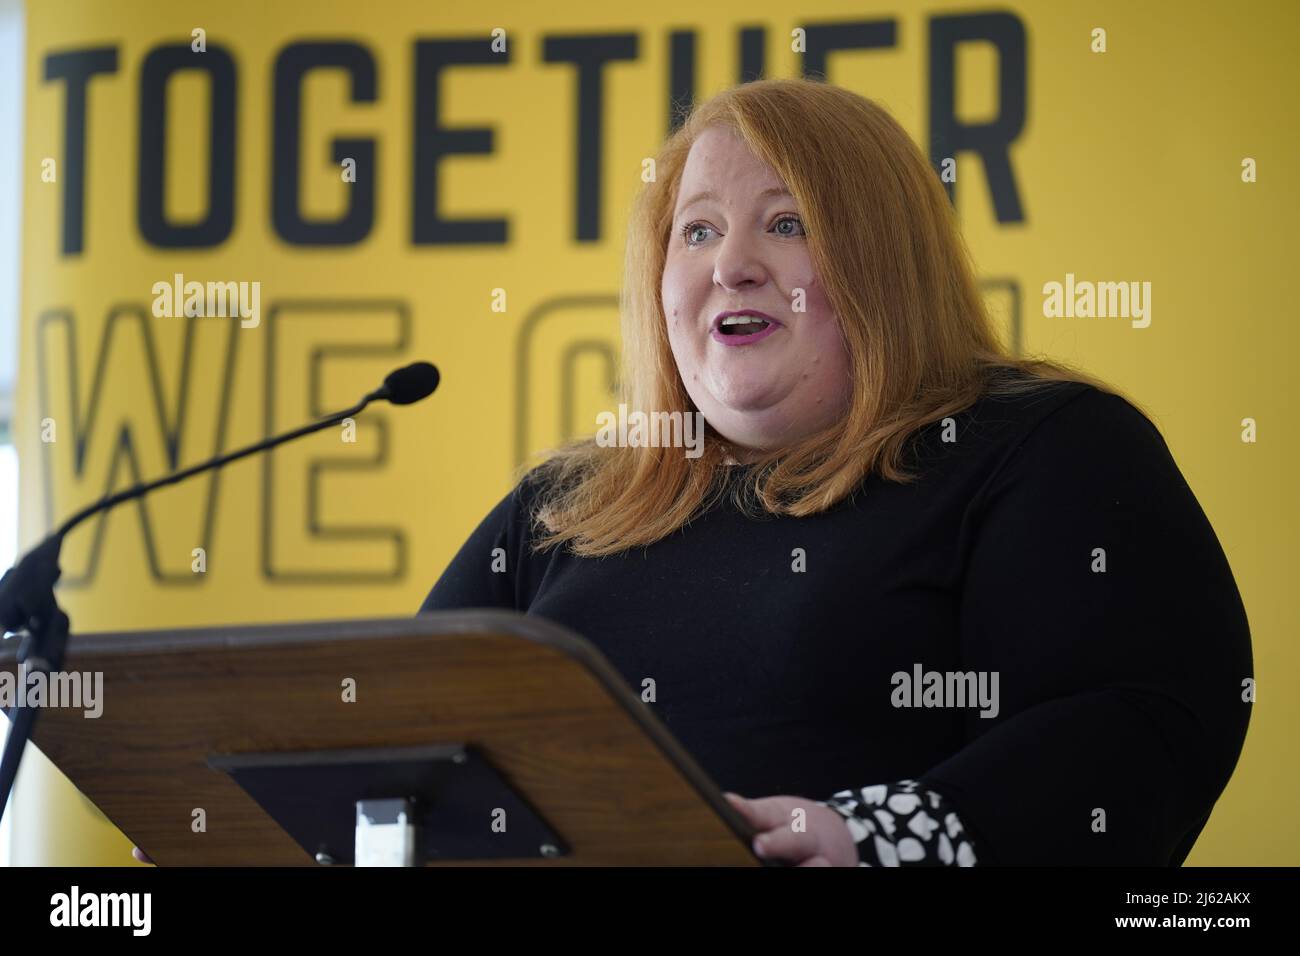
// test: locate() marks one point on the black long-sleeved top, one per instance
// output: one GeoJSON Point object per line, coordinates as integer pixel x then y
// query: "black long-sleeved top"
{"type": "Point", "coordinates": [1054, 543]}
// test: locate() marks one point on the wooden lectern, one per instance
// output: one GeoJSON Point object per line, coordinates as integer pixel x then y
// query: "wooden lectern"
{"type": "Point", "coordinates": [505, 738]}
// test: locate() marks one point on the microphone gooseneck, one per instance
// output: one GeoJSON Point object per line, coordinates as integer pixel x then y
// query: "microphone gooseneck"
{"type": "Point", "coordinates": [27, 602]}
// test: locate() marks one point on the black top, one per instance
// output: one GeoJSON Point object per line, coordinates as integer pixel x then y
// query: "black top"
{"type": "Point", "coordinates": [1051, 550]}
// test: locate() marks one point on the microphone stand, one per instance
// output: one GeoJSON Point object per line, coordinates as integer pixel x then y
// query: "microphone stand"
{"type": "Point", "coordinates": [28, 606]}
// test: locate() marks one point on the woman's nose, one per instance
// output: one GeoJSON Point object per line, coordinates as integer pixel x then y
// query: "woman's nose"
{"type": "Point", "coordinates": [737, 265]}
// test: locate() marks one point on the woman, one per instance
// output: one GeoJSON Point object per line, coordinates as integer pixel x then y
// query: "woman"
{"type": "Point", "coordinates": [957, 606]}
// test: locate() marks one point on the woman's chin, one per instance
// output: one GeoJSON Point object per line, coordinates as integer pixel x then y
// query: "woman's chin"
{"type": "Point", "coordinates": [752, 398]}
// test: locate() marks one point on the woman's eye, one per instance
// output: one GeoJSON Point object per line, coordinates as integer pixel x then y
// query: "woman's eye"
{"type": "Point", "coordinates": [693, 233]}
{"type": "Point", "coordinates": [791, 220]}
{"type": "Point", "coordinates": [689, 230]}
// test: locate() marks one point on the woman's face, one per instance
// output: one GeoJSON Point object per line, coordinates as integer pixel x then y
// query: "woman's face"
{"type": "Point", "coordinates": [783, 374]}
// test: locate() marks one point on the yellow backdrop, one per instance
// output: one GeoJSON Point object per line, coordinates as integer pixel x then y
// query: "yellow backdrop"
{"type": "Point", "coordinates": [497, 148]}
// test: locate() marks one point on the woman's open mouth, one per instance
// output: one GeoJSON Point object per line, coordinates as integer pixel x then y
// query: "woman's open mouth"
{"type": "Point", "coordinates": [742, 328]}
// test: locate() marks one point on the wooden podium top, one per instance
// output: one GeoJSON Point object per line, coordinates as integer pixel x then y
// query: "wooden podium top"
{"type": "Point", "coordinates": [539, 703]}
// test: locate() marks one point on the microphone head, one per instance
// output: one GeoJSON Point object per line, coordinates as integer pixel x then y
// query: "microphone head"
{"type": "Point", "coordinates": [405, 386]}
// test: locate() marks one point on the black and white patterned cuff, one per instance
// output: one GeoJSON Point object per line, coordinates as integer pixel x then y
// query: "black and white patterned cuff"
{"type": "Point", "coordinates": [903, 824]}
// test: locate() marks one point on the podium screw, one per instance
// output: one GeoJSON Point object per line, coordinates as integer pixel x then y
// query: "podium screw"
{"type": "Point", "coordinates": [324, 859]}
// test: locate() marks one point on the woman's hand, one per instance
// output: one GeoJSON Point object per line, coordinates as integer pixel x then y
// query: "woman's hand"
{"type": "Point", "coordinates": [822, 840]}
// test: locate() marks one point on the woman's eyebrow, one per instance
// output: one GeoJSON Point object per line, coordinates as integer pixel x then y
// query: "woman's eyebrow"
{"type": "Point", "coordinates": [710, 194]}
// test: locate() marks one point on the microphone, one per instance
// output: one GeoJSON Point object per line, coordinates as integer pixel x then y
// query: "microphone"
{"type": "Point", "coordinates": [406, 386]}
{"type": "Point", "coordinates": [27, 589]}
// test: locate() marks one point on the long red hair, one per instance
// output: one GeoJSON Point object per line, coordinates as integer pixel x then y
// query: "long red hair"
{"type": "Point", "coordinates": [888, 250]}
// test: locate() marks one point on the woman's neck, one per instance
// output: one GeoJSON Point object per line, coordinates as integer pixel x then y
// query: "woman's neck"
{"type": "Point", "coordinates": [741, 456]}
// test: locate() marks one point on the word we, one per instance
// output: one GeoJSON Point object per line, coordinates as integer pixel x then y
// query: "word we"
{"type": "Point", "coordinates": [227, 299]}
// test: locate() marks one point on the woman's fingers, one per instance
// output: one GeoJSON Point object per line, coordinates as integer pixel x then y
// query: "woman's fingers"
{"type": "Point", "coordinates": [743, 806]}
{"type": "Point", "coordinates": [777, 838]}
{"type": "Point", "coordinates": [784, 843]}
{"type": "Point", "coordinates": [765, 813]}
